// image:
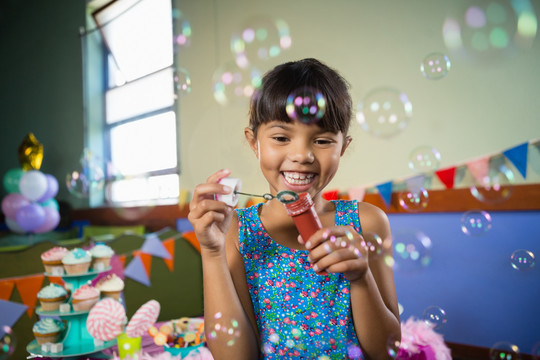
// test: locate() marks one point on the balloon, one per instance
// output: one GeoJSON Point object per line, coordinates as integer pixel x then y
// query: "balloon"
{"type": "Point", "coordinates": [52, 219]}
{"type": "Point", "coordinates": [52, 203]}
{"type": "Point", "coordinates": [33, 184]}
{"type": "Point", "coordinates": [13, 226]}
{"type": "Point", "coordinates": [30, 217]}
{"type": "Point", "coordinates": [11, 203]}
{"type": "Point", "coordinates": [12, 179]}
{"type": "Point", "coordinates": [52, 188]}
{"type": "Point", "coordinates": [30, 153]}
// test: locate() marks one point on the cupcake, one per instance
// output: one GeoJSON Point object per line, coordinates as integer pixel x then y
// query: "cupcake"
{"type": "Point", "coordinates": [84, 298]}
{"type": "Point", "coordinates": [110, 286]}
{"type": "Point", "coordinates": [101, 256]}
{"type": "Point", "coordinates": [52, 260]}
{"type": "Point", "coordinates": [51, 297]}
{"type": "Point", "coordinates": [48, 330]}
{"type": "Point", "coordinates": [77, 261]}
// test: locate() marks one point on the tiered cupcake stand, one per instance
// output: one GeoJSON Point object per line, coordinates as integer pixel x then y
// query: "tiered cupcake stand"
{"type": "Point", "coordinates": [76, 340]}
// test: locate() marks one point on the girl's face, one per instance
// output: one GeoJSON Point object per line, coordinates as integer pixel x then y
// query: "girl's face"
{"type": "Point", "coordinates": [296, 156]}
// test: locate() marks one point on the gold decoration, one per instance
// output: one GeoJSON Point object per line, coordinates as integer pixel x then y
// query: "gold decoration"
{"type": "Point", "coordinates": [30, 153]}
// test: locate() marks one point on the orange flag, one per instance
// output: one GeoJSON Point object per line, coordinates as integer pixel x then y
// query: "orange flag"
{"type": "Point", "coordinates": [6, 288]}
{"type": "Point", "coordinates": [169, 245]}
{"type": "Point", "coordinates": [146, 259]}
{"type": "Point", "coordinates": [192, 239]}
{"type": "Point", "coordinates": [28, 288]}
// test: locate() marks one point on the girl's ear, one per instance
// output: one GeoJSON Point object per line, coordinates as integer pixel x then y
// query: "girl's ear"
{"type": "Point", "coordinates": [252, 140]}
{"type": "Point", "coordinates": [346, 142]}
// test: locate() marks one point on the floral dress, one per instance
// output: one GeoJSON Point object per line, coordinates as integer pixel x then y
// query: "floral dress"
{"type": "Point", "coordinates": [299, 313]}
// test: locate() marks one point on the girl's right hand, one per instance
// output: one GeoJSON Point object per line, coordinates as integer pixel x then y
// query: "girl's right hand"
{"type": "Point", "coordinates": [211, 218]}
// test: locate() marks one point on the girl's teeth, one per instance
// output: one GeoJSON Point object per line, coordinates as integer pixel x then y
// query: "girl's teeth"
{"type": "Point", "coordinates": [298, 179]}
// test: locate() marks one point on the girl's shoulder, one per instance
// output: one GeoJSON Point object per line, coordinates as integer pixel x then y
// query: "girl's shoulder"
{"type": "Point", "coordinates": [373, 218]}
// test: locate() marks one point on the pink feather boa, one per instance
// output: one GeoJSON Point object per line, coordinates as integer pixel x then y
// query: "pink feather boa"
{"type": "Point", "coordinates": [420, 342]}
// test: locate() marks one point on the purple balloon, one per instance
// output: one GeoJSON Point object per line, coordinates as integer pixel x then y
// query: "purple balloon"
{"type": "Point", "coordinates": [52, 219]}
{"type": "Point", "coordinates": [52, 188]}
{"type": "Point", "coordinates": [30, 217]}
{"type": "Point", "coordinates": [13, 202]}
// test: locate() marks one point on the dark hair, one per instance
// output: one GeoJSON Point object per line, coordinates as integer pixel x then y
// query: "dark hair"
{"type": "Point", "coordinates": [269, 101]}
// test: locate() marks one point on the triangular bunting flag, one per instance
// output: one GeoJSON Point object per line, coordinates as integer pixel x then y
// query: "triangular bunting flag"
{"type": "Point", "coordinates": [169, 245]}
{"type": "Point", "coordinates": [518, 156]}
{"type": "Point", "coordinates": [357, 193]}
{"type": "Point", "coordinates": [385, 190]}
{"type": "Point", "coordinates": [330, 195]}
{"type": "Point", "coordinates": [479, 169]}
{"type": "Point", "coordinates": [416, 183]}
{"type": "Point", "coordinates": [56, 280]}
{"type": "Point", "coordinates": [153, 246]}
{"type": "Point", "coordinates": [447, 176]}
{"type": "Point", "coordinates": [6, 288]}
{"type": "Point", "coordinates": [10, 312]}
{"type": "Point", "coordinates": [135, 270]}
{"type": "Point", "coordinates": [118, 263]}
{"type": "Point", "coordinates": [192, 239]}
{"type": "Point", "coordinates": [146, 260]}
{"type": "Point", "coordinates": [183, 224]}
{"type": "Point", "coordinates": [28, 287]}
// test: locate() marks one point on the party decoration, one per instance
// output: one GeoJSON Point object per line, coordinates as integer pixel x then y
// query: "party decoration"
{"type": "Point", "coordinates": [12, 179]}
{"type": "Point", "coordinates": [143, 319]}
{"type": "Point", "coordinates": [135, 270]}
{"type": "Point", "coordinates": [105, 319]}
{"type": "Point", "coordinates": [30, 153]}
{"type": "Point", "coordinates": [447, 176]}
{"type": "Point", "coordinates": [153, 246]}
{"type": "Point", "coordinates": [11, 312]}
{"type": "Point", "coordinates": [385, 190]}
{"type": "Point", "coordinates": [518, 156]}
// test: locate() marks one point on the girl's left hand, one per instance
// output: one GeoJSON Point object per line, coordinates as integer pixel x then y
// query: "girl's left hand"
{"type": "Point", "coordinates": [338, 249]}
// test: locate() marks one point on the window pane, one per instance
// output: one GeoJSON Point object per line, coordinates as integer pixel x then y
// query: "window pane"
{"type": "Point", "coordinates": [145, 145]}
{"type": "Point", "coordinates": [150, 93]}
{"type": "Point", "coordinates": [138, 34]}
{"type": "Point", "coordinates": [142, 190]}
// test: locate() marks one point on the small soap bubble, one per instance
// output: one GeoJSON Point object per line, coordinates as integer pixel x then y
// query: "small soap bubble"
{"type": "Point", "coordinates": [424, 159]}
{"type": "Point", "coordinates": [412, 250]}
{"type": "Point", "coordinates": [495, 187]}
{"type": "Point", "coordinates": [392, 347]}
{"type": "Point", "coordinates": [522, 260]}
{"type": "Point", "coordinates": [435, 66]}
{"type": "Point", "coordinates": [182, 82]}
{"type": "Point", "coordinates": [384, 112]}
{"type": "Point", "coordinates": [504, 350]}
{"type": "Point", "coordinates": [306, 105]}
{"type": "Point", "coordinates": [182, 29]}
{"type": "Point", "coordinates": [87, 177]}
{"type": "Point", "coordinates": [475, 222]}
{"type": "Point", "coordinates": [354, 352]}
{"type": "Point", "coordinates": [435, 317]}
{"type": "Point", "coordinates": [8, 342]}
{"type": "Point", "coordinates": [414, 200]}
{"type": "Point", "coordinates": [233, 84]}
{"type": "Point", "coordinates": [226, 331]}
{"type": "Point", "coordinates": [372, 242]}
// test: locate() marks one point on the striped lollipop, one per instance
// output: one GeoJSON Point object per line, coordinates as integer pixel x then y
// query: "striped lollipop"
{"type": "Point", "coordinates": [143, 319]}
{"type": "Point", "coordinates": [105, 320]}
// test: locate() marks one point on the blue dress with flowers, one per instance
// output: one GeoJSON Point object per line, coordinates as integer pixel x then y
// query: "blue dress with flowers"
{"type": "Point", "coordinates": [299, 313]}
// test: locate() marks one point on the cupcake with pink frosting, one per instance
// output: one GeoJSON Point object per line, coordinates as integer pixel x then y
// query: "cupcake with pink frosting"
{"type": "Point", "coordinates": [52, 260]}
{"type": "Point", "coordinates": [84, 298]}
{"type": "Point", "coordinates": [111, 286]}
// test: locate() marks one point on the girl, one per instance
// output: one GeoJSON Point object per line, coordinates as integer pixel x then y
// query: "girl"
{"type": "Point", "coordinates": [268, 293]}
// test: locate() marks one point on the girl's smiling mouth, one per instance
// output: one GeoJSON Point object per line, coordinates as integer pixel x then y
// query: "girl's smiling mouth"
{"type": "Point", "coordinates": [298, 178]}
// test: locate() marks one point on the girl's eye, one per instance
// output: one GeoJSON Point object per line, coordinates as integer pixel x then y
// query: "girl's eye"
{"type": "Point", "coordinates": [280, 138]}
{"type": "Point", "coordinates": [323, 141]}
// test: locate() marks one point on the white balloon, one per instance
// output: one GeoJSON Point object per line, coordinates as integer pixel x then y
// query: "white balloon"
{"type": "Point", "coordinates": [33, 185]}
{"type": "Point", "coordinates": [13, 226]}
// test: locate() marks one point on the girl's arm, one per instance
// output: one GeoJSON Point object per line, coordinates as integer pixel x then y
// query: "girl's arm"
{"type": "Point", "coordinates": [373, 296]}
{"type": "Point", "coordinates": [228, 327]}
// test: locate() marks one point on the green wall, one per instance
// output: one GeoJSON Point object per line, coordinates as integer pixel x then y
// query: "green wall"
{"type": "Point", "coordinates": [41, 88]}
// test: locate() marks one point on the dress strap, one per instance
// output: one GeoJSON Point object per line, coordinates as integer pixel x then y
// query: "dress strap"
{"type": "Point", "coordinates": [347, 214]}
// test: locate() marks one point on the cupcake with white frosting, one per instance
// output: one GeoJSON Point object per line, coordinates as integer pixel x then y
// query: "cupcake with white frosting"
{"type": "Point", "coordinates": [77, 261]}
{"type": "Point", "coordinates": [51, 297]}
{"type": "Point", "coordinates": [101, 256]}
{"type": "Point", "coordinates": [48, 330]}
{"type": "Point", "coordinates": [111, 286]}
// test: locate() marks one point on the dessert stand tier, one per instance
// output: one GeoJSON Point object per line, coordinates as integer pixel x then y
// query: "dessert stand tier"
{"type": "Point", "coordinates": [76, 340]}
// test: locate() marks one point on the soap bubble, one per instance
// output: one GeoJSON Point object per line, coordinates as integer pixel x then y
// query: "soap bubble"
{"type": "Point", "coordinates": [8, 343]}
{"type": "Point", "coordinates": [495, 187]}
{"type": "Point", "coordinates": [414, 200]}
{"type": "Point", "coordinates": [226, 331]}
{"type": "Point", "coordinates": [259, 40]}
{"type": "Point", "coordinates": [412, 250]}
{"type": "Point", "coordinates": [522, 259]}
{"type": "Point", "coordinates": [434, 316]}
{"type": "Point", "coordinates": [435, 66]}
{"type": "Point", "coordinates": [306, 105]}
{"type": "Point", "coordinates": [424, 159]}
{"type": "Point", "coordinates": [504, 351]}
{"type": "Point", "coordinates": [384, 112]}
{"type": "Point", "coordinates": [235, 85]}
{"type": "Point", "coordinates": [475, 222]}
{"type": "Point", "coordinates": [392, 347]}
{"type": "Point", "coordinates": [86, 178]}
{"type": "Point", "coordinates": [182, 29]}
{"type": "Point", "coordinates": [182, 82]}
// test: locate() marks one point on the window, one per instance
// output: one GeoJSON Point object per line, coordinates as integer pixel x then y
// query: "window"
{"type": "Point", "coordinates": [137, 122]}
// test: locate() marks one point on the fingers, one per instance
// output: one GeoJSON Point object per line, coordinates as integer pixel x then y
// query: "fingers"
{"type": "Point", "coordinates": [210, 188]}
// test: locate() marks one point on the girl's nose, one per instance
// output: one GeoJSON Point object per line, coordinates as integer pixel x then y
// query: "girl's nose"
{"type": "Point", "coordinates": [301, 154]}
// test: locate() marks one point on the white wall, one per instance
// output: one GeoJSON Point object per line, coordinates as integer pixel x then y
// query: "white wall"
{"type": "Point", "coordinates": [487, 103]}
